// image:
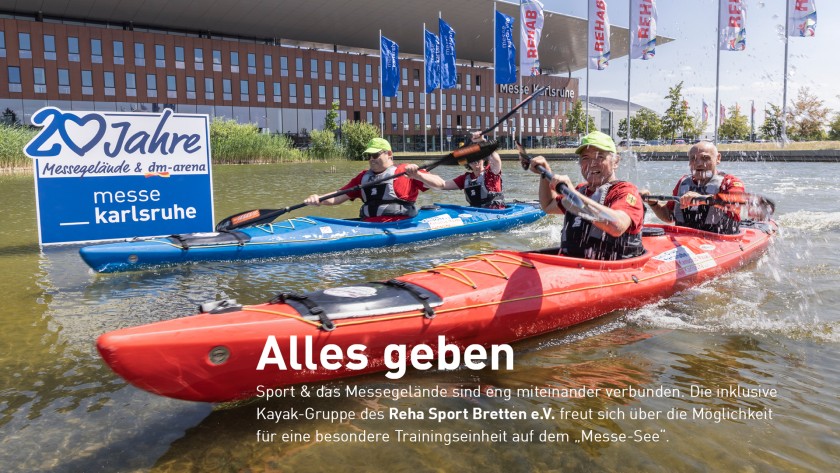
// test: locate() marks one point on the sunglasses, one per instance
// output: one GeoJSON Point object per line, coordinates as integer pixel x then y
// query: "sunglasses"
{"type": "Point", "coordinates": [372, 155]}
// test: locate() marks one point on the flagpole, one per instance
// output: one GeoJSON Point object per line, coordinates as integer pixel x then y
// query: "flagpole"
{"type": "Point", "coordinates": [381, 88]}
{"type": "Point", "coordinates": [785, 75]}
{"type": "Point", "coordinates": [440, 95]}
{"type": "Point", "coordinates": [752, 120]}
{"type": "Point", "coordinates": [588, 39]}
{"type": "Point", "coordinates": [425, 99]}
{"type": "Point", "coordinates": [717, 76]}
{"type": "Point", "coordinates": [521, 120]}
{"type": "Point", "coordinates": [629, 63]}
{"type": "Point", "coordinates": [495, 69]}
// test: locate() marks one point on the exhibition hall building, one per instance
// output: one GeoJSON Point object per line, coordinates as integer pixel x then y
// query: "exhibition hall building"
{"type": "Point", "coordinates": [282, 64]}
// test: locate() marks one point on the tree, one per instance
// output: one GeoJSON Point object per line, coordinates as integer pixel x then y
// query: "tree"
{"type": "Point", "coordinates": [834, 128]}
{"type": "Point", "coordinates": [322, 145]}
{"type": "Point", "coordinates": [622, 128]}
{"type": "Point", "coordinates": [645, 124]}
{"type": "Point", "coordinates": [807, 118]}
{"type": "Point", "coordinates": [771, 129]}
{"type": "Point", "coordinates": [676, 116]}
{"type": "Point", "coordinates": [576, 119]}
{"type": "Point", "coordinates": [332, 115]}
{"type": "Point", "coordinates": [9, 117]}
{"type": "Point", "coordinates": [735, 126]}
{"type": "Point", "coordinates": [695, 127]}
{"type": "Point", "coordinates": [355, 136]}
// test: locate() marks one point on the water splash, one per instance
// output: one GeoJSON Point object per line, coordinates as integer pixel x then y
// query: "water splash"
{"type": "Point", "coordinates": [812, 222]}
{"type": "Point", "coordinates": [771, 299]}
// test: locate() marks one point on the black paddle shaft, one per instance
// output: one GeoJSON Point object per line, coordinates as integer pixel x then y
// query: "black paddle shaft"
{"type": "Point", "coordinates": [750, 200]}
{"type": "Point", "coordinates": [469, 152]}
{"type": "Point", "coordinates": [547, 175]}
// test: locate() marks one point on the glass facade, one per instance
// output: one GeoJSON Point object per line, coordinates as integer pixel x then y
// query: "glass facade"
{"type": "Point", "coordinates": [104, 68]}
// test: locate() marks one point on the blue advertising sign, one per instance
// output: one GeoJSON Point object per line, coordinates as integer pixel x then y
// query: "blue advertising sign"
{"type": "Point", "coordinates": [111, 175]}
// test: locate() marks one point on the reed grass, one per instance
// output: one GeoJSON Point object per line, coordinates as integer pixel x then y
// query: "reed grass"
{"type": "Point", "coordinates": [235, 143]}
{"type": "Point", "coordinates": [12, 141]}
{"type": "Point", "coordinates": [744, 147]}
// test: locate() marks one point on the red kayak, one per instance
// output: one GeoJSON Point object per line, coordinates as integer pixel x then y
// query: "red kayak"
{"type": "Point", "coordinates": [486, 299]}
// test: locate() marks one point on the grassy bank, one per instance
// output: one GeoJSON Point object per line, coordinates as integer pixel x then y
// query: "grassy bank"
{"type": "Point", "coordinates": [234, 143]}
{"type": "Point", "coordinates": [12, 141]}
{"type": "Point", "coordinates": [746, 147]}
{"type": "Point", "coordinates": [230, 142]}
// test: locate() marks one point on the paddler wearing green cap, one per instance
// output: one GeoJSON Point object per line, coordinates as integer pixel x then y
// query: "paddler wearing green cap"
{"type": "Point", "coordinates": [390, 200]}
{"type": "Point", "coordinates": [609, 226]}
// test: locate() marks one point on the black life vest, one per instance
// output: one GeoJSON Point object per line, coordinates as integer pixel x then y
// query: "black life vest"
{"type": "Point", "coordinates": [381, 200]}
{"type": "Point", "coordinates": [478, 195]}
{"type": "Point", "coordinates": [582, 239]}
{"type": "Point", "coordinates": [704, 217]}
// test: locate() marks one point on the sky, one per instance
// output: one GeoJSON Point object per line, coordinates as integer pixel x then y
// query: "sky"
{"type": "Point", "coordinates": [754, 74]}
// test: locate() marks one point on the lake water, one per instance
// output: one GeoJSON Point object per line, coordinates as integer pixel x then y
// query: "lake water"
{"type": "Point", "coordinates": [774, 325]}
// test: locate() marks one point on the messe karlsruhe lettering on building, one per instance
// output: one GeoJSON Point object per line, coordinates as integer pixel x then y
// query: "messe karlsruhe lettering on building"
{"type": "Point", "coordinates": [102, 176]}
{"type": "Point", "coordinates": [255, 75]}
{"type": "Point", "coordinates": [527, 89]}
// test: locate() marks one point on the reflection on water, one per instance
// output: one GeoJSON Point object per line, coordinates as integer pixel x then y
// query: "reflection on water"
{"type": "Point", "coordinates": [772, 325]}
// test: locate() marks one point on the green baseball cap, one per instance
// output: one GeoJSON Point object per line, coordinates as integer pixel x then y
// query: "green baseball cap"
{"type": "Point", "coordinates": [596, 139]}
{"type": "Point", "coordinates": [376, 145]}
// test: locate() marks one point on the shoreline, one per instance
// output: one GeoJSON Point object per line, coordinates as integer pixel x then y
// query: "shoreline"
{"type": "Point", "coordinates": [782, 156]}
{"type": "Point", "coordinates": [799, 156]}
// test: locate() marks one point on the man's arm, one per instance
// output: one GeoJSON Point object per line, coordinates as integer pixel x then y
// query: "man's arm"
{"type": "Point", "coordinates": [616, 222]}
{"type": "Point", "coordinates": [494, 160]}
{"type": "Point", "coordinates": [315, 199]}
{"type": "Point", "coordinates": [430, 180]}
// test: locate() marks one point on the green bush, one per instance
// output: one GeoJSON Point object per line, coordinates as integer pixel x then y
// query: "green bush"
{"type": "Point", "coordinates": [322, 145]}
{"type": "Point", "coordinates": [235, 143]}
{"type": "Point", "coordinates": [12, 140]}
{"type": "Point", "coordinates": [355, 136]}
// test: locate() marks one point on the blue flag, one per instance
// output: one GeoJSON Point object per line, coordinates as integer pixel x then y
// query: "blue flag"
{"type": "Point", "coordinates": [505, 65]}
{"type": "Point", "coordinates": [432, 53]}
{"type": "Point", "coordinates": [448, 77]}
{"type": "Point", "coordinates": [389, 57]}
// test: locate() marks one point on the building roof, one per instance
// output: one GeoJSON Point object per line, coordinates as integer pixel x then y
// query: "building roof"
{"type": "Point", "coordinates": [618, 106]}
{"type": "Point", "coordinates": [347, 23]}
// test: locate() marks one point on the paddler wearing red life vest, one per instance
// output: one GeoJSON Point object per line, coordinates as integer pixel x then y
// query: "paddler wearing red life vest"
{"type": "Point", "coordinates": [609, 226]}
{"type": "Point", "coordinates": [390, 201]}
{"type": "Point", "coordinates": [482, 184]}
{"type": "Point", "coordinates": [703, 182]}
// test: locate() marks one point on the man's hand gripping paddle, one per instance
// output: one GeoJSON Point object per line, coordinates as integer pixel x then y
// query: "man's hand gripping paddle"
{"type": "Point", "coordinates": [473, 152]}
{"type": "Point", "coordinates": [758, 207]}
{"type": "Point", "coordinates": [574, 203]}
{"type": "Point", "coordinates": [463, 155]}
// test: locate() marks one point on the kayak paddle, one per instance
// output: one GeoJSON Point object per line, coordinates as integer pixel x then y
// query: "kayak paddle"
{"type": "Point", "coordinates": [758, 207]}
{"type": "Point", "coordinates": [460, 156]}
{"type": "Point", "coordinates": [473, 152]}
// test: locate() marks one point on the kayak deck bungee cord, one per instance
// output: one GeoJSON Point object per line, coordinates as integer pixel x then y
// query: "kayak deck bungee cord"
{"type": "Point", "coordinates": [482, 300]}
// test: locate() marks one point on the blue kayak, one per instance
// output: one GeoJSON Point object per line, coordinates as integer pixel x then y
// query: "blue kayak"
{"type": "Point", "coordinates": [304, 235]}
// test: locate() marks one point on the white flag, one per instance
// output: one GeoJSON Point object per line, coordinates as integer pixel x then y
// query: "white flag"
{"type": "Point", "coordinates": [531, 16]}
{"type": "Point", "coordinates": [802, 18]}
{"type": "Point", "coordinates": [643, 29]}
{"type": "Point", "coordinates": [599, 35]}
{"type": "Point", "coordinates": [733, 25]}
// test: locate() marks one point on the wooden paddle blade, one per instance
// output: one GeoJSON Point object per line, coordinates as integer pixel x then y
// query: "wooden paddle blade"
{"type": "Point", "coordinates": [524, 157]}
{"type": "Point", "coordinates": [758, 207]}
{"type": "Point", "coordinates": [472, 153]}
{"type": "Point", "coordinates": [245, 219]}
{"type": "Point", "coordinates": [737, 198]}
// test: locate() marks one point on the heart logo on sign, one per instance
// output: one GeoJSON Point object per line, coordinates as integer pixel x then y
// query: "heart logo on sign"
{"type": "Point", "coordinates": [91, 126]}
